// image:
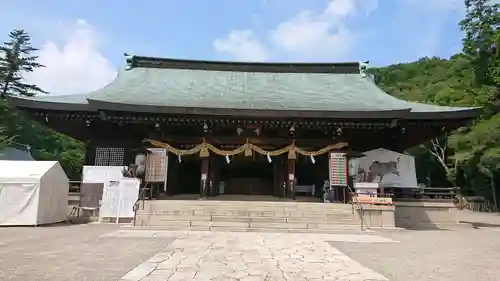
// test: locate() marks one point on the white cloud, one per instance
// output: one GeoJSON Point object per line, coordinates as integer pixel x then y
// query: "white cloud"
{"type": "Point", "coordinates": [76, 66]}
{"type": "Point", "coordinates": [242, 45]}
{"type": "Point", "coordinates": [307, 36]}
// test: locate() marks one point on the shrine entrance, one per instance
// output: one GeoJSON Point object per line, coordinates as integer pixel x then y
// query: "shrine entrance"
{"type": "Point", "coordinates": [311, 174]}
{"type": "Point", "coordinates": [245, 175]}
{"type": "Point", "coordinates": [184, 176]}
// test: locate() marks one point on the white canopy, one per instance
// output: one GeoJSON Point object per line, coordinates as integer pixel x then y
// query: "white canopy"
{"type": "Point", "coordinates": [32, 193]}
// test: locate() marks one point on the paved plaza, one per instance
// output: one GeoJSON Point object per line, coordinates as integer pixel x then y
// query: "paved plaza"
{"type": "Point", "coordinates": [110, 252]}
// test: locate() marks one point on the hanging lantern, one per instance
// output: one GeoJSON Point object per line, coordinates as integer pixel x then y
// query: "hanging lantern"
{"type": "Point", "coordinates": [179, 158]}
{"type": "Point", "coordinates": [313, 160]}
{"type": "Point", "coordinates": [227, 159]}
{"type": "Point", "coordinates": [269, 158]}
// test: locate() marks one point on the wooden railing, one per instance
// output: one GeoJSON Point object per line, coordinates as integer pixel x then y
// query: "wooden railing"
{"type": "Point", "coordinates": [74, 186]}
{"type": "Point", "coordinates": [479, 204]}
{"type": "Point", "coordinates": [359, 207]}
{"type": "Point", "coordinates": [423, 193]}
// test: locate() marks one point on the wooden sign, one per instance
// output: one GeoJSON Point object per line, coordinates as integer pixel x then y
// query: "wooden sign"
{"type": "Point", "coordinates": [363, 199]}
{"type": "Point", "coordinates": [156, 165]}
{"type": "Point", "coordinates": [338, 169]}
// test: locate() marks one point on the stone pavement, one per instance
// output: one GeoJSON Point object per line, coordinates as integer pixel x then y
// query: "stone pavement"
{"type": "Point", "coordinates": [457, 255]}
{"type": "Point", "coordinates": [250, 256]}
{"type": "Point", "coordinates": [70, 253]}
{"type": "Point", "coordinates": [109, 252]}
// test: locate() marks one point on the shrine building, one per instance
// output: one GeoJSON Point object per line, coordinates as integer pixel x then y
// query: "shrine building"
{"type": "Point", "coordinates": [241, 128]}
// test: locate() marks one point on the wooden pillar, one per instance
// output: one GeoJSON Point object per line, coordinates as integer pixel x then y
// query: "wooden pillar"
{"type": "Point", "coordinates": [291, 178]}
{"type": "Point", "coordinates": [212, 177]}
{"type": "Point", "coordinates": [205, 162]}
{"type": "Point", "coordinates": [282, 177]}
{"type": "Point", "coordinates": [89, 154]}
{"type": "Point", "coordinates": [276, 181]}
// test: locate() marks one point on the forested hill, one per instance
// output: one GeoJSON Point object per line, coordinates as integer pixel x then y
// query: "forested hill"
{"type": "Point", "coordinates": [431, 80]}
{"type": "Point", "coordinates": [472, 159]}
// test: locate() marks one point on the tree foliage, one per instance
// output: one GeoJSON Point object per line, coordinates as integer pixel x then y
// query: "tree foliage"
{"type": "Point", "coordinates": [481, 42]}
{"type": "Point", "coordinates": [470, 158]}
{"type": "Point", "coordinates": [16, 58]}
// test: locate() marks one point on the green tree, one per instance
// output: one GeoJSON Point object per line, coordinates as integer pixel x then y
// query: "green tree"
{"type": "Point", "coordinates": [4, 140]}
{"type": "Point", "coordinates": [468, 158]}
{"type": "Point", "coordinates": [16, 58]}
{"type": "Point", "coordinates": [481, 42]}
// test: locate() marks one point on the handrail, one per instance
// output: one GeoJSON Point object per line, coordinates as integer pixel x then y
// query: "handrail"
{"type": "Point", "coordinates": [136, 204]}
{"type": "Point", "coordinates": [360, 207]}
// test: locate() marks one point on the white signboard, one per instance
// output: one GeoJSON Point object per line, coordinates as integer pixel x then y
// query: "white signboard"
{"type": "Point", "coordinates": [369, 188]}
{"type": "Point", "coordinates": [102, 174]}
{"type": "Point", "coordinates": [386, 167]}
{"type": "Point", "coordinates": [118, 198]}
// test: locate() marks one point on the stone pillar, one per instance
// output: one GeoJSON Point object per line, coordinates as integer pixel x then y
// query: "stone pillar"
{"type": "Point", "coordinates": [291, 177]}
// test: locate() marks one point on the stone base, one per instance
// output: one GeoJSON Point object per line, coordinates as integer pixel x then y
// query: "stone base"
{"type": "Point", "coordinates": [420, 214]}
{"type": "Point", "coordinates": [378, 216]}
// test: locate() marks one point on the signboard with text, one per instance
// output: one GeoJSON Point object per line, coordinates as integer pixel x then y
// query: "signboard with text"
{"type": "Point", "coordinates": [338, 169]}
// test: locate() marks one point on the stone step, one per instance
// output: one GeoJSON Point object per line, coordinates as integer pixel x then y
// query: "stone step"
{"type": "Point", "coordinates": [246, 205]}
{"type": "Point", "coordinates": [282, 219]}
{"type": "Point", "coordinates": [247, 216]}
{"type": "Point", "coordinates": [243, 205]}
{"type": "Point", "coordinates": [339, 214]}
{"type": "Point", "coordinates": [243, 225]}
{"type": "Point", "coordinates": [236, 208]}
{"type": "Point", "coordinates": [343, 219]}
{"type": "Point", "coordinates": [154, 220]}
{"type": "Point", "coordinates": [327, 220]}
{"type": "Point", "coordinates": [337, 229]}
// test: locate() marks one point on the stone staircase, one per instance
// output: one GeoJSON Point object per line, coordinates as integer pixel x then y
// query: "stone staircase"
{"type": "Point", "coordinates": [258, 216]}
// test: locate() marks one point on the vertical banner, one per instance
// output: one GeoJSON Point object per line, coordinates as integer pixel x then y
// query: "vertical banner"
{"type": "Point", "coordinates": [156, 165]}
{"type": "Point", "coordinates": [338, 169]}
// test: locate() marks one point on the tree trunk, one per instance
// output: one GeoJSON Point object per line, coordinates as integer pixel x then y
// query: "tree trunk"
{"type": "Point", "coordinates": [493, 190]}
{"type": "Point", "coordinates": [439, 152]}
{"type": "Point", "coordinates": [6, 86]}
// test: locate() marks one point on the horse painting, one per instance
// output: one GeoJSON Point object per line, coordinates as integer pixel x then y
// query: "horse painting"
{"type": "Point", "coordinates": [381, 169]}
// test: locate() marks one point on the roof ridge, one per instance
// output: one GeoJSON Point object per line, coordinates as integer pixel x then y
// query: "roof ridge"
{"type": "Point", "coordinates": [134, 61]}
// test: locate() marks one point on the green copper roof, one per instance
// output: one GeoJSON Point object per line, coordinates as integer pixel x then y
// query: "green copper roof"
{"type": "Point", "coordinates": [70, 99]}
{"type": "Point", "coordinates": [251, 90]}
{"type": "Point", "coordinates": [156, 85]}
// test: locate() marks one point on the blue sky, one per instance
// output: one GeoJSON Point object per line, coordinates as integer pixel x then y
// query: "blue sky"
{"type": "Point", "coordinates": [82, 42]}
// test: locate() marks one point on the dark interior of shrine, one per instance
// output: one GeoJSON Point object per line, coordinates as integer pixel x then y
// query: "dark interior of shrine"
{"type": "Point", "coordinates": [312, 171]}
{"type": "Point", "coordinates": [184, 176]}
{"type": "Point", "coordinates": [246, 174]}
{"type": "Point", "coordinates": [251, 175]}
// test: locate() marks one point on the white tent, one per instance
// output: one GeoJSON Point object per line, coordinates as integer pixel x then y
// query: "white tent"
{"type": "Point", "coordinates": [32, 193]}
{"type": "Point", "coordinates": [386, 167]}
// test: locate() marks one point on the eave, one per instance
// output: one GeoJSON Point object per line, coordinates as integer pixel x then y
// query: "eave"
{"type": "Point", "coordinates": [20, 102]}
{"type": "Point", "coordinates": [261, 113]}
{"type": "Point", "coordinates": [94, 106]}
